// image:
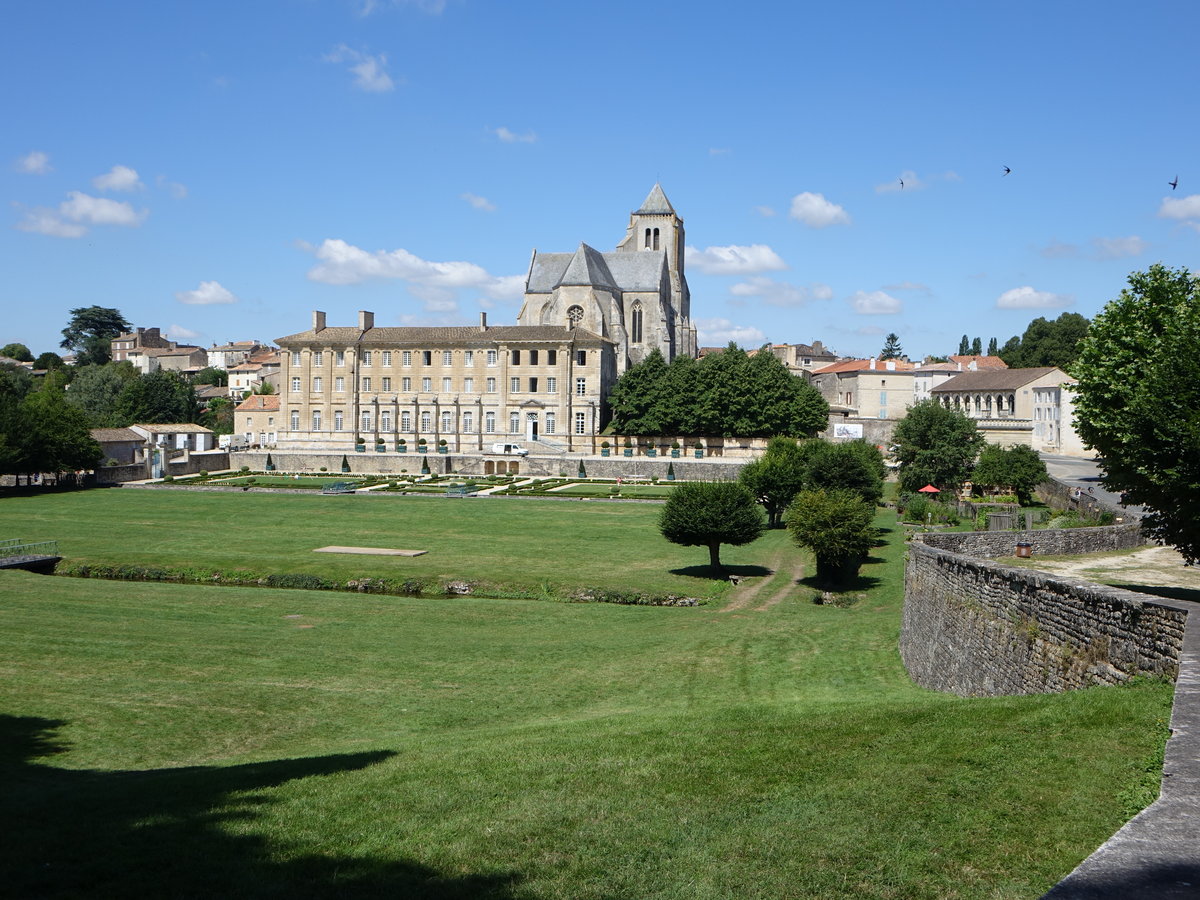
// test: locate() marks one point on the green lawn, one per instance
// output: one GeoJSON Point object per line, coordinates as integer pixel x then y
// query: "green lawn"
{"type": "Point", "coordinates": [170, 740]}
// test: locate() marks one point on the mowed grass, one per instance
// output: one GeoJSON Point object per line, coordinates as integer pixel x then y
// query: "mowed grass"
{"type": "Point", "coordinates": [523, 542]}
{"type": "Point", "coordinates": [168, 740]}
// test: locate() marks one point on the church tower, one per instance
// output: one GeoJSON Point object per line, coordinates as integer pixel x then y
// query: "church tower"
{"type": "Point", "coordinates": [656, 226]}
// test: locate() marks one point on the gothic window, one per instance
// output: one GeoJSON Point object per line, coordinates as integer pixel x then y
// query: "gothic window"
{"type": "Point", "coordinates": [637, 322]}
{"type": "Point", "coordinates": [646, 245]}
{"type": "Point", "coordinates": [655, 238]}
{"type": "Point", "coordinates": [575, 316]}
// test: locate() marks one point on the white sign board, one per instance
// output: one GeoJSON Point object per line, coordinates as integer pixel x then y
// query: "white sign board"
{"type": "Point", "coordinates": [848, 431]}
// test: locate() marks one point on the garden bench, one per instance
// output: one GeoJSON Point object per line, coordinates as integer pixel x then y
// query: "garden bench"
{"type": "Point", "coordinates": [338, 487]}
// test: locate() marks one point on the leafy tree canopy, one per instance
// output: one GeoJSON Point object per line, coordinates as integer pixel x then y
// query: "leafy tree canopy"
{"type": "Point", "coordinates": [1017, 468]}
{"type": "Point", "coordinates": [727, 393]}
{"type": "Point", "coordinates": [1047, 343]}
{"type": "Point", "coordinates": [854, 466]}
{"type": "Point", "coordinates": [48, 360]}
{"type": "Point", "coordinates": [97, 389]}
{"type": "Point", "coordinates": [19, 352]}
{"type": "Point", "coordinates": [709, 514]}
{"type": "Point", "coordinates": [776, 477]}
{"type": "Point", "coordinates": [1138, 400]}
{"type": "Point", "coordinates": [90, 332]}
{"type": "Point", "coordinates": [836, 526]}
{"type": "Point", "coordinates": [211, 375]}
{"type": "Point", "coordinates": [935, 445]}
{"type": "Point", "coordinates": [158, 398]}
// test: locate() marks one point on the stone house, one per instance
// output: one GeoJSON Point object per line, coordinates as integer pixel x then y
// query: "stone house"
{"type": "Point", "coordinates": [257, 419]}
{"type": "Point", "coordinates": [1016, 406]}
{"type": "Point", "coordinates": [123, 445]}
{"type": "Point", "coordinates": [180, 436]}
{"type": "Point", "coordinates": [867, 388]}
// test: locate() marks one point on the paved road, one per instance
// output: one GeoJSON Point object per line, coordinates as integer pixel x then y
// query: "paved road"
{"type": "Point", "coordinates": [1083, 474]}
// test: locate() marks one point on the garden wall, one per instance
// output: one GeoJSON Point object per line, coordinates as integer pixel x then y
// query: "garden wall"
{"type": "Point", "coordinates": [1044, 541]}
{"type": "Point", "coordinates": [1060, 495]}
{"type": "Point", "coordinates": [974, 627]}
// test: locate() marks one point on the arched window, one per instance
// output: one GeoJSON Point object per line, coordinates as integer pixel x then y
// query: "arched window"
{"type": "Point", "coordinates": [655, 238]}
{"type": "Point", "coordinates": [426, 422]}
{"type": "Point", "coordinates": [636, 329]}
{"type": "Point", "coordinates": [646, 246]}
{"type": "Point", "coordinates": [406, 421]}
{"type": "Point", "coordinates": [575, 316]}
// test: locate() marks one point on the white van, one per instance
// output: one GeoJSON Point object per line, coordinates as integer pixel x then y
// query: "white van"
{"type": "Point", "coordinates": [510, 449]}
{"type": "Point", "coordinates": [233, 442]}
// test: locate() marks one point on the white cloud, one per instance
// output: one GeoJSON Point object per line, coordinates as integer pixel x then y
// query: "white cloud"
{"type": "Point", "coordinates": [178, 191]}
{"type": "Point", "coordinates": [817, 212]}
{"type": "Point", "coordinates": [719, 332]}
{"type": "Point", "coordinates": [1119, 248]}
{"type": "Point", "coordinates": [1058, 250]}
{"type": "Point", "coordinates": [370, 72]}
{"type": "Point", "coordinates": [1180, 208]}
{"type": "Point", "coordinates": [1027, 298]}
{"type": "Point", "coordinates": [719, 151]}
{"type": "Point", "coordinates": [511, 137]}
{"type": "Point", "coordinates": [34, 163]}
{"type": "Point", "coordinates": [436, 284]}
{"type": "Point", "coordinates": [481, 203]}
{"type": "Point", "coordinates": [46, 221]}
{"type": "Point", "coordinates": [81, 207]}
{"type": "Point", "coordinates": [765, 211]}
{"type": "Point", "coordinates": [869, 330]}
{"type": "Point", "coordinates": [908, 286]}
{"type": "Point", "coordinates": [118, 178]}
{"type": "Point", "coordinates": [780, 293]}
{"type": "Point", "coordinates": [875, 303]}
{"type": "Point", "coordinates": [209, 293]}
{"type": "Point", "coordinates": [179, 333]}
{"type": "Point", "coordinates": [432, 7]}
{"type": "Point", "coordinates": [734, 259]}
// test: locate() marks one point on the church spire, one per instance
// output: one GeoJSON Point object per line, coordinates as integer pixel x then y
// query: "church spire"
{"type": "Point", "coordinates": [656, 203]}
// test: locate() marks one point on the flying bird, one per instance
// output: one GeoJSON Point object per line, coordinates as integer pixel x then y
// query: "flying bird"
{"type": "Point", "coordinates": [1174, 184]}
{"type": "Point", "coordinates": [1006, 171]}
{"type": "Point", "coordinates": [902, 183]}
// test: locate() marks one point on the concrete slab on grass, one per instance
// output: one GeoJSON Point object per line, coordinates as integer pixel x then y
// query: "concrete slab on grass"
{"type": "Point", "coordinates": [371, 551]}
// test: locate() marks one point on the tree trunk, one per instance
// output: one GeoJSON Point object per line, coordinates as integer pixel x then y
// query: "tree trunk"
{"type": "Point", "coordinates": [714, 554]}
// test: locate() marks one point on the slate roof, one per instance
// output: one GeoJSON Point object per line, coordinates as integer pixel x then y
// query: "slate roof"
{"type": "Point", "coordinates": [656, 203]}
{"type": "Point", "coordinates": [641, 270]}
{"type": "Point", "coordinates": [115, 435]}
{"type": "Point", "coordinates": [587, 266]}
{"type": "Point", "coordinates": [429, 337]}
{"type": "Point", "coordinates": [996, 379]}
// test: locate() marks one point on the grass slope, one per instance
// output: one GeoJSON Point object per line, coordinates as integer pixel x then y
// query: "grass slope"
{"type": "Point", "coordinates": [190, 741]}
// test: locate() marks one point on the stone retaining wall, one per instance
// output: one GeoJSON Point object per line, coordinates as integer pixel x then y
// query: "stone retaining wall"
{"type": "Point", "coordinates": [974, 627]}
{"type": "Point", "coordinates": [1044, 541]}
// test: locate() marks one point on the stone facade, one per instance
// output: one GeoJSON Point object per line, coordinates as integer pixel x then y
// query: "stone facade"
{"type": "Point", "coordinates": [972, 626]}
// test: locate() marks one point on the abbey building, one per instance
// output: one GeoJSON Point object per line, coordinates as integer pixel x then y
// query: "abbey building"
{"type": "Point", "coordinates": [586, 317]}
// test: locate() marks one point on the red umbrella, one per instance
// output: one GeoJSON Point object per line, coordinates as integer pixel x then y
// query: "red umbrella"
{"type": "Point", "coordinates": [929, 489]}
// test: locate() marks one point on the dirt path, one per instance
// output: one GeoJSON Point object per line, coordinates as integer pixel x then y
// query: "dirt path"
{"type": "Point", "coordinates": [745, 596]}
{"type": "Point", "coordinates": [1151, 565]}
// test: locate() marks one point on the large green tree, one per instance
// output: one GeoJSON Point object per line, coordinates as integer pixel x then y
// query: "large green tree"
{"type": "Point", "coordinates": [1047, 342]}
{"type": "Point", "coordinates": [854, 466]}
{"type": "Point", "coordinates": [709, 514]}
{"type": "Point", "coordinates": [891, 347]}
{"type": "Point", "coordinates": [776, 477]}
{"type": "Point", "coordinates": [1138, 400]}
{"type": "Point", "coordinates": [158, 398]}
{"type": "Point", "coordinates": [48, 360]}
{"type": "Point", "coordinates": [56, 436]}
{"type": "Point", "coordinates": [97, 391]}
{"type": "Point", "coordinates": [90, 332]}
{"type": "Point", "coordinates": [211, 375]}
{"type": "Point", "coordinates": [836, 526]}
{"type": "Point", "coordinates": [935, 445]}
{"type": "Point", "coordinates": [730, 393]}
{"type": "Point", "coordinates": [19, 352]}
{"type": "Point", "coordinates": [1017, 468]}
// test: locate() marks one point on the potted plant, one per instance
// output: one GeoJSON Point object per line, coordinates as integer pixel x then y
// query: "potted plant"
{"type": "Point", "coordinates": [582, 470]}
{"type": "Point", "coordinates": [651, 450]}
{"type": "Point", "coordinates": [360, 445]}
{"type": "Point", "coordinates": [402, 446]}
{"type": "Point", "coordinates": [604, 445]}
{"type": "Point", "coordinates": [670, 471]}
{"type": "Point", "coordinates": [442, 448]}
{"type": "Point", "coordinates": [675, 449]}
{"type": "Point", "coordinates": [421, 448]}
{"type": "Point", "coordinates": [380, 446]}
{"type": "Point", "coordinates": [699, 449]}
{"type": "Point", "coordinates": [345, 463]}
{"type": "Point", "coordinates": [424, 466]}
{"type": "Point", "coordinates": [270, 465]}
{"type": "Point", "coordinates": [628, 446]}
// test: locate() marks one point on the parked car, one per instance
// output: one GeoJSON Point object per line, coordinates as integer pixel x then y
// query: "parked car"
{"type": "Point", "coordinates": [510, 449]}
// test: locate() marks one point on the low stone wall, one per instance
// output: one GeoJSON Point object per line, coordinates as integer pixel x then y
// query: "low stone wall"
{"type": "Point", "coordinates": [1060, 495]}
{"type": "Point", "coordinates": [391, 463]}
{"type": "Point", "coordinates": [1044, 541]}
{"type": "Point", "coordinates": [973, 627]}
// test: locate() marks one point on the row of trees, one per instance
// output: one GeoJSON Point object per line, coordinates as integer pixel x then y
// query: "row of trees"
{"type": "Point", "coordinates": [39, 430]}
{"type": "Point", "coordinates": [1046, 342]}
{"type": "Point", "coordinates": [114, 395]}
{"type": "Point", "coordinates": [727, 393]}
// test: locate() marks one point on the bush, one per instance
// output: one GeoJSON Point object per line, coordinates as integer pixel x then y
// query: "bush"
{"type": "Point", "coordinates": [244, 469]}
{"type": "Point", "coordinates": [168, 478]}
{"type": "Point", "coordinates": [836, 526]}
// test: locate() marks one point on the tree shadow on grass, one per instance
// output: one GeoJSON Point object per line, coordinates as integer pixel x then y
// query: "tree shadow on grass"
{"type": "Point", "coordinates": [1190, 595]}
{"type": "Point", "coordinates": [722, 573]}
{"type": "Point", "coordinates": [859, 583]}
{"type": "Point", "coordinates": [183, 832]}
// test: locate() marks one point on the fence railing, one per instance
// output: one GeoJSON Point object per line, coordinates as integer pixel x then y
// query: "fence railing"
{"type": "Point", "coordinates": [12, 548]}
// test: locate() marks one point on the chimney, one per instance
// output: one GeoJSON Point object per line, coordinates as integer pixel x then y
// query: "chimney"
{"type": "Point", "coordinates": [872, 364]}
{"type": "Point", "coordinates": [366, 320]}
{"type": "Point", "coordinates": [318, 320]}
{"type": "Point", "coordinates": [483, 321]}
{"type": "Point", "coordinates": [891, 365]}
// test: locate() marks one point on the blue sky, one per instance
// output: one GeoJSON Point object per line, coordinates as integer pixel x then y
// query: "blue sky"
{"type": "Point", "coordinates": [221, 169]}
